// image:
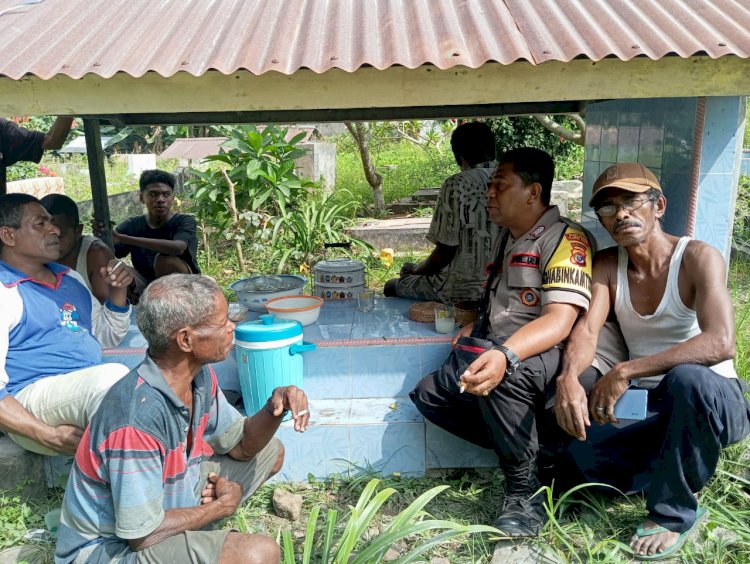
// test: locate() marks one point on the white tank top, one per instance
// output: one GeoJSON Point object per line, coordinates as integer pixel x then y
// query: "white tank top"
{"type": "Point", "coordinates": [670, 324]}
{"type": "Point", "coordinates": [82, 266]}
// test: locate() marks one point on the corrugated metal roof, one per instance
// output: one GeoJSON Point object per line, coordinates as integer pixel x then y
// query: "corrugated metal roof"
{"type": "Point", "coordinates": [105, 37]}
{"type": "Point", "coordinates": [194, 148]}
{"type": "Point", "coordinates": [200, 147]}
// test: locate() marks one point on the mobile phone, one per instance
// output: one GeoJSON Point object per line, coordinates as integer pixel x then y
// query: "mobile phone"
{"type": "Point", "coordinates": [633, 404]}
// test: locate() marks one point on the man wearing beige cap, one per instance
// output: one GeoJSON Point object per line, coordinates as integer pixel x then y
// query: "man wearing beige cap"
{"type": "Point", "coordinates": [670, 299]}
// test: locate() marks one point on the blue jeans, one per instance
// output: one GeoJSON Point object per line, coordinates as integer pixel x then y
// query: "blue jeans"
{"type": "Point", "coordinates": [692, 414]}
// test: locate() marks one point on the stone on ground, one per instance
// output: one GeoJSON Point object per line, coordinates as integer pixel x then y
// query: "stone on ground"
{"type": "Point", "coordinates": [29, 554]}
{"type": "Point", "coordinates": [519, 552]}
{"type": "Point", "coordinates": [286, 504]}
{"type": "Point", "coordinates": [20, 469]}
{"type": "Point", "coordinates": [392, 554]}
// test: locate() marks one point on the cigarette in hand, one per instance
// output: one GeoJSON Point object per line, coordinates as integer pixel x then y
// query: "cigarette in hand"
{"type": "Point", "coordinates": [461, 388]}
{"type": "Point", "coordinates": [116, 266]}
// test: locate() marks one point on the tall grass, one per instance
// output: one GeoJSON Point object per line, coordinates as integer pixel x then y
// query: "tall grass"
{"type": "Point", "coordinates": [405, 168]}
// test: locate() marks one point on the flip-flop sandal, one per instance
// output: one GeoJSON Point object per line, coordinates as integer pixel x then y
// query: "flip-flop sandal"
{"type": "Point", "coordinates": [700, 515]}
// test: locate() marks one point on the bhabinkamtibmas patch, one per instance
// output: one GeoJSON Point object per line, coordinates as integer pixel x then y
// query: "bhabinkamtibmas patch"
{"type": "Point", "coordinates": [569, 268]}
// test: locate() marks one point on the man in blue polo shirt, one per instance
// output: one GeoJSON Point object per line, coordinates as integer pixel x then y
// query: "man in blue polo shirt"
{"type": "Point", "coordinates": [52, 330]}
{"type": "Point", "coordinates": [167, 455]}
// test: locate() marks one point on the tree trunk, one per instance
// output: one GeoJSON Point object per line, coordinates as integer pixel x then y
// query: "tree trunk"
{"type": "Point", "coordinates": [577, 137]}
{"type": "Point", "coordinates": [235, 221]}
{"type": "Point", "coordinates": [362, 134]}
{"type": "Point", "coordinates": [206, 246]}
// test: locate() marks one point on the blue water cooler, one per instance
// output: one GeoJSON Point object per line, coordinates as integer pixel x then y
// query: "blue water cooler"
{"type": "Point", "coordinates": [269, 355]}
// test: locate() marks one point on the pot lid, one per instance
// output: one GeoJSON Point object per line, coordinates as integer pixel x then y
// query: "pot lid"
{"type": "Point", "coordinates": [267, 329]}
{"type": "Point", "coordinates": [340, 265]}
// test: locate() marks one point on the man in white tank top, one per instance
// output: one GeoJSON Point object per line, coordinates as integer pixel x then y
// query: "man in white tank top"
{"type": "Point", "coordinates": [670, 299]}
{"type": "Point", "coordinates": [85, 254]}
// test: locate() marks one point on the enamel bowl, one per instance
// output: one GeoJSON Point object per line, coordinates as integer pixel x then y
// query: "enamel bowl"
{"type": "Point", "coordinates": [304, 309]}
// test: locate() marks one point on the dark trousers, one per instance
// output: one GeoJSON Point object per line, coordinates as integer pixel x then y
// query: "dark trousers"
{"type": "Point", "coordinates": [505, 420]}
{"type": "Point", "coordinates": [692, 414]}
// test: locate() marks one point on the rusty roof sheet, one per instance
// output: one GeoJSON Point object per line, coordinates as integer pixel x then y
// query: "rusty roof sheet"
{"type": "Point", "coordinates": [194, 148]}
{"type": "Point", "coordinates": [76, 37]}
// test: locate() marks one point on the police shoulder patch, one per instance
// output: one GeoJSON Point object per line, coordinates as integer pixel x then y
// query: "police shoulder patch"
{"type": "Point", "coordinates": [529, 297]}
{"type": "Point", "coordinates": [570, 266]}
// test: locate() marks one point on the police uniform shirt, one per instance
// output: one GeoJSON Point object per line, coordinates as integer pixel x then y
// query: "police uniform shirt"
{"type": "Point", "coordinates": [551, 263]}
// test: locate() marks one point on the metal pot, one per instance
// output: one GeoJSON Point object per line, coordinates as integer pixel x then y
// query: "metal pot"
{"type": "Point", "coordinates": [338, 278]}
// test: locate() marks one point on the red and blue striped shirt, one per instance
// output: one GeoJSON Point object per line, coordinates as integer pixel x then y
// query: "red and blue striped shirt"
{"type": "Point", "coordinates": [140, 456]}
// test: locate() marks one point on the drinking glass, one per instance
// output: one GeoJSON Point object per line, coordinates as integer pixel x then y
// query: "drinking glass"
{"type": "Point", "coordinates": [366, 301]}
{"type": "Point", "coordinates": [445, 318]}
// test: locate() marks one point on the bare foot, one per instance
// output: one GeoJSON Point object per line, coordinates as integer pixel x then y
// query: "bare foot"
{"type": "Point", "coordinates": [658, 542]}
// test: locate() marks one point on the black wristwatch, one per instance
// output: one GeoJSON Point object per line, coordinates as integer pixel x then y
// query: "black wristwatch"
{"type": "Point", "coordinates": [513, 362]}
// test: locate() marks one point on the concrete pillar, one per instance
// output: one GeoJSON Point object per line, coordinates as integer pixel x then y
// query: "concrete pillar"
{"type": "Point", "coordinates": [719, 160]}
{"type": "Point", "coordinates": [319, 164]}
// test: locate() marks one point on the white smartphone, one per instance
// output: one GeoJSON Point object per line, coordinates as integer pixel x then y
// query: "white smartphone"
{"type": "Point", "coordinates": [633, 404]}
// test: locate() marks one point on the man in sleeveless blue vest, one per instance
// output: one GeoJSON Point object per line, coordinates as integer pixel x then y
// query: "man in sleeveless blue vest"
{"type": "Point", "coordinates": [52, 330]}
{"type": "Point", "coordinates": [670, 299]}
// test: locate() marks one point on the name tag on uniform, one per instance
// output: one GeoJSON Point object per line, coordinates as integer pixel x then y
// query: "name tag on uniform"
{"type": "Point", "coordinates": [633, 404]}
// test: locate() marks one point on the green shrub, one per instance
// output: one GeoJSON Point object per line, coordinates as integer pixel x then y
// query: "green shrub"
{"type": "Point", "coordinates": [525, 131]}
{"type": "Point", "coordinates": [742, 210]}
{"type": "Point", "coordinates": [300, 234]}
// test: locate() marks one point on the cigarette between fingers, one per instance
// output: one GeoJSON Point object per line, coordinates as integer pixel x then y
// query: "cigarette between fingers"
{"type": "Point", "coordinates": [461, 388]}
{"type": "Point", "coordinates": [116, 266]}
{"type": "Point", "coordinates": [303, 412]}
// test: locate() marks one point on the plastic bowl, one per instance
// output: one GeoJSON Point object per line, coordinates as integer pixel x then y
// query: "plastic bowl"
{"type": "Point", "coordinates": [256, 301]}
{"type": "Point", "coordinates": [304, 309]}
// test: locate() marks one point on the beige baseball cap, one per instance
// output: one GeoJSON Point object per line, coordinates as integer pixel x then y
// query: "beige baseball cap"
{"type": "Point", "coordinates": [632, 177]}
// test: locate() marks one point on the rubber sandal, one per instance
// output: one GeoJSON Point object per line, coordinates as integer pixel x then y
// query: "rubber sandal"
{"type": "Point", "coordinates": [700, 515]}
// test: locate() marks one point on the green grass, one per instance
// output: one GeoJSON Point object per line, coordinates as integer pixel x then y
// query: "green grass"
{"type": "Point", "coordinates": [404, 166]}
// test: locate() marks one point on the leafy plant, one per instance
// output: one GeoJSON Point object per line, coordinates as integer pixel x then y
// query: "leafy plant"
{"type": "Point", "coordinates": [352, 548]}
{"type": "Point", "coordinates": [252, 179]}
{"type": "Point", "coordinates": [301, 232]}
{"type": "Point", "coordinates": [23, 170]}
{"type": "Point", "coordinates": [260, 163]}
{"type": "Point", "coordinates": [423, 212]}
{"type": "Point", "coordinates": [521, 131]}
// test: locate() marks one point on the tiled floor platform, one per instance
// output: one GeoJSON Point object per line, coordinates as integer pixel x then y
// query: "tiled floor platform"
{"type": "Point", "coordinates": [358, 380]}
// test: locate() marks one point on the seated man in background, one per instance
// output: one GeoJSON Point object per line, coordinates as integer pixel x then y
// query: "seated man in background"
{"type": "Point", "coordinates": [161, 241]}
{"type": "Point", "coordinates": [52, 330]}
{"type": "Point", "coordinates": [167, 456]}
{"type": "Point", "coordinates": [85, 254]}
{"type": "Point", "coordinates": [461, 228]}
{"type": "Point", "coordinates": [539, 283]}
{"type": "Point", "coordinates": [671, 302]}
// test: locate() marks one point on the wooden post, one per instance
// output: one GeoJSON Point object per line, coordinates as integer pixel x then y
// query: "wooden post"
{"type": "Point", "coordinates": [97, 176]}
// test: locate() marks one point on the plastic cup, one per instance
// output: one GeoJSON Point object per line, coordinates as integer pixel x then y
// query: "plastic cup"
{"type": "Point", "coordinates": [445, 318]}
{"type": "Point", "coordinates": [366, 301]}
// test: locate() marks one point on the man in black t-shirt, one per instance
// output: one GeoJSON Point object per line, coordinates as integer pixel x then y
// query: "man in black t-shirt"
{"type": "Point", "coordinates": [20, 144]}
{"type": "Point", "coordinates": [160, 242]}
